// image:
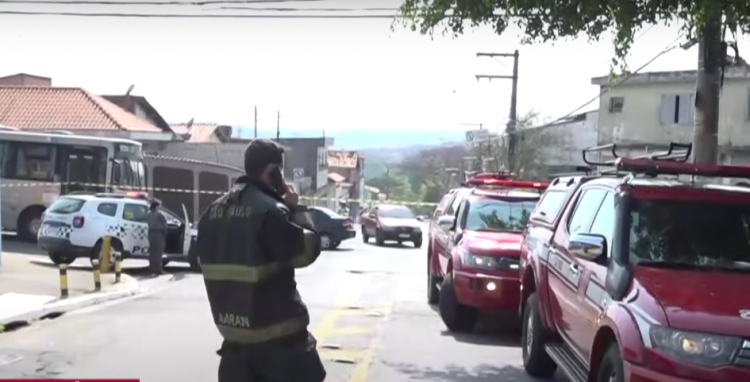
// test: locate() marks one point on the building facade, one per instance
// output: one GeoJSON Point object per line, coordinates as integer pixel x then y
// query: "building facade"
{"type": "Point", "coordinates": [654, 109]}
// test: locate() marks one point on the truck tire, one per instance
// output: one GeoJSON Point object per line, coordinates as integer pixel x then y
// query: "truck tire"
{"type": "Point", "coordinates": [433, 293]}
{"type": "Point", "coordinates": [611, 368]}
{"type": "Point", "coordinates": [457, 317]}
{"type": "Point", "coordinates": [536, 361]}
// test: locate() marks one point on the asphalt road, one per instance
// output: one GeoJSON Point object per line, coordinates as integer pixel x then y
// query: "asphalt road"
{"type": "Point", "coordinates": [368, 313]}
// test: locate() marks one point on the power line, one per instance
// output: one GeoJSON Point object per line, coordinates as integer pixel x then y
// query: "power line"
{"type": "Point", "coordinates": [630, 75]}
{"type": "Point", "coordinates": [195, 16]}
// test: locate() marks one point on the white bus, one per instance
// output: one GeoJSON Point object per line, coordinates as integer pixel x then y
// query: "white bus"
{"type": "Point", "coordinates": [39, 167]}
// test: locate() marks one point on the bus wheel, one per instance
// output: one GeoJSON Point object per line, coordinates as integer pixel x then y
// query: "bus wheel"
{"type": "Point", "coordinates": [29, 224]}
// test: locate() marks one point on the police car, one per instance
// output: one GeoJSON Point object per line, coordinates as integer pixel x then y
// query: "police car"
{"type": "Point", "coordinates": [75, 224]}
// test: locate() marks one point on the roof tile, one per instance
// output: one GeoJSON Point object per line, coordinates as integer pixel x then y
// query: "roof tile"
{"type": "Point", "coordinates": [47, 108]}
{"type": "Point", "coordinates": [198, 132]}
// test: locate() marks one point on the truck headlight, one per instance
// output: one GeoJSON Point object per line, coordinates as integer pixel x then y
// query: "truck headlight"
{"type": "Point", "coordinates": [703, 349]}
{"type": "Point", "coordinates": [488, 262]}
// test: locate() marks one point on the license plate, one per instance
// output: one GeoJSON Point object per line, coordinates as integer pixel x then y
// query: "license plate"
{"type": "Point", "coordinates": [404, 235]}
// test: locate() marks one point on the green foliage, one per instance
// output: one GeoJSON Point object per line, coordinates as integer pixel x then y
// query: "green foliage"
{"type": "Point", "coordinates": [550, 20]}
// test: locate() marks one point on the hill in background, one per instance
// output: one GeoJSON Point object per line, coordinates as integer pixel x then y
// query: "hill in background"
{"type": "Point", "coordinates": [380, 148]}
{"type": "Point", "coordinates": [365, 139]}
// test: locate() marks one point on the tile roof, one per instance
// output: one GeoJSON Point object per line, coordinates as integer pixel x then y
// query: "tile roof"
{"type": "Point", "coordinates": [198, 132]}
{"type": "Point", "coordinates": [345, 159]}
{"type": "Point", "coordinates": [47, 108]}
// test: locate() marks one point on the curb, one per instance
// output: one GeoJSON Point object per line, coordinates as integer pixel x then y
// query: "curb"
{"type": "Point", "coordinates": [64, 306]}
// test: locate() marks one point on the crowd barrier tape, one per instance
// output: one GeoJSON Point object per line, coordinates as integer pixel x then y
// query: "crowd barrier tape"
{"type": "Point", "coordinates": [209, 192]}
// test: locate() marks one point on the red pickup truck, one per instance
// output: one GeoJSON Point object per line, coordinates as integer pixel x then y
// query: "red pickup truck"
{"type": "Point", "coordinates": [473, 254]}
{"type": "Point", "coordinates": [638, 275]}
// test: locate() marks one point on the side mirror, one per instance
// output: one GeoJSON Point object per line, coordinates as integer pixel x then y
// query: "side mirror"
{"type": "Point", "coordinates": [457, 237]}
{"type": "Point", "coordinates": [446, 222]}
{"type": "Point", "coordinates": [588, 246]}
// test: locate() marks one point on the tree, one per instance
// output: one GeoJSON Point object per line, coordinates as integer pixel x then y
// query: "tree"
{"type": "Point", "coordinates": [535, 143]}
{"type": "Point", "coordinates": [427, 169]}
{"type": "Point", "coordinates": [547, 20]}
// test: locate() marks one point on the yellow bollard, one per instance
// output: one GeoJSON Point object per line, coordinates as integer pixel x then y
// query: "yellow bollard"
{"type": "Point", "coordinates": [104, 255]}
{"type": "Point", "coordinates": [118, 266]}
{"type": "Point", "coordinates": [97, 275]}
{"type": "Point", "coordinates": [63, 280]}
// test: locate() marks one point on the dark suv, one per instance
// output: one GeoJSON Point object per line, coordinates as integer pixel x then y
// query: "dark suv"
{"type": "Point", "coordinates": [639, 274]}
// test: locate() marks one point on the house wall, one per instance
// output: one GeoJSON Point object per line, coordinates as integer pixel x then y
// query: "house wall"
{"type": "Point", "coordinates": [641, 119]}
{"type": "Point", "coordinates": [566, 140]}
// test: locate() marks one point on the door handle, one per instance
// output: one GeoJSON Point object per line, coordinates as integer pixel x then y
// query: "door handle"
{"type": "Point", "coordinates": [575, 268]}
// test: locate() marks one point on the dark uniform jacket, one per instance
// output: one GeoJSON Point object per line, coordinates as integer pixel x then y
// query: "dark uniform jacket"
{"type": "Point", "coordinates": [249, 244]}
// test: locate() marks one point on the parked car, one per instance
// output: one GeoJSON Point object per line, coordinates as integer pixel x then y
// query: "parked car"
{"type": "Point", "coordinates": [75, 224]}
{"type": "Point", "coordinates": [637, 277]}
{"type": "Point", "coordinates": [386, 222]}
{"type": "Point", "coordinates": [473, 259]}
{"type": "Point", "coordinates": [332, 227]}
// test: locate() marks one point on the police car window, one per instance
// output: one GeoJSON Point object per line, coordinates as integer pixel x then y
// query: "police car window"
{"type": "Point", "coordinates": [66, 205]}
{"type": "Point", "coordinates": [109, 209]}
{"type": "Point", "coordinates": [135, 212]}
{"type": "Point", "coordinates": [588, 204]}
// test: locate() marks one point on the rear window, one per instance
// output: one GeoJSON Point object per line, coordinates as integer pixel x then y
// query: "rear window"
{"type": "Point", "coordinates": [691, 232]}
{"type": "Point", "coordinates": [550, 204]}
{"type": "Point", "coordinates": [329, 212]}
{"type": "Point", "coordinates": [499, 215]}
{"type": "Point", "coordinates": [66, 205]}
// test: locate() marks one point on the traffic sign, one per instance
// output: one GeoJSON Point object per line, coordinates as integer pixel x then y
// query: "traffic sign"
{"type": "Point", "coordinates": [477, 135]}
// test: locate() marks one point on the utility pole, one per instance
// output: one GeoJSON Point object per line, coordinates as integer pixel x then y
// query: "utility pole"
{"type": "Point", "coordinates": [513, 117]}
{"type": "Point", "coordinates": [256, 122]}
{"type": "Point", "coordinates": [710, 59]}
{"type": "Point", "coordinates": [278, 126]}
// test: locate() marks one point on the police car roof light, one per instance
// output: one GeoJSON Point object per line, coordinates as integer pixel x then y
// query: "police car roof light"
{"type": "Point", "coordinates": [136, 194]}
{"type": "Point", "coordinates": [654, 167]}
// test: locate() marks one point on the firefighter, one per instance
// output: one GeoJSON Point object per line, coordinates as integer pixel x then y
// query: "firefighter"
{"type": "Point", "coordinates": [249, 243]}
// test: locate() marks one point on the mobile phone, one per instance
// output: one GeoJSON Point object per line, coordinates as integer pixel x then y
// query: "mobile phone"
{"type": "Point", "coordinates": [277, 179]}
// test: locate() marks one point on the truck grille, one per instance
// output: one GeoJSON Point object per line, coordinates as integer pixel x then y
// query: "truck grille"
{"type": "Point", "coordinates": [507, 263]}
{"type": "Point", "coordinates": [743, 357]}
{"type": "Point", "coordinates": [404, 229]}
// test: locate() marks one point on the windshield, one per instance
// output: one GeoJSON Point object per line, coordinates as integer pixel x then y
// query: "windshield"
{"type": "Point", "coordinates": [499, 215]}
{"type": "Point", "coordinates": [694, 233]}
{"type": "Point", "coordinates": [128, 172]}
{"type": "Point", "coordinates": [395, 213]}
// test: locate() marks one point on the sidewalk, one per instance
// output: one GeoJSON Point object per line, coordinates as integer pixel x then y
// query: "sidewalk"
{"type": "Point", "coordinates": [30, 287]}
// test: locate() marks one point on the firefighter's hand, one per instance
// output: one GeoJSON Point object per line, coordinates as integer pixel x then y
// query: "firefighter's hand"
{"type": "Point", "coordinates": [290, 197]}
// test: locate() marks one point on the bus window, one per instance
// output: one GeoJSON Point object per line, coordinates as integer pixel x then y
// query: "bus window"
{"type": "Point", "coordinates": [82, 168]}
{"type": "Point", "coordinates": [29, 161]}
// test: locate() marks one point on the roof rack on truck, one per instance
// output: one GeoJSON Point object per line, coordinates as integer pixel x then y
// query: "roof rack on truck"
{"type": "Point", "coordinates": [674, 161]}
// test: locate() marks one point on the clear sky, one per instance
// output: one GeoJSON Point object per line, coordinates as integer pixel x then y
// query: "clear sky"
{"type": "Point", "coordinates": [320, 73]}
